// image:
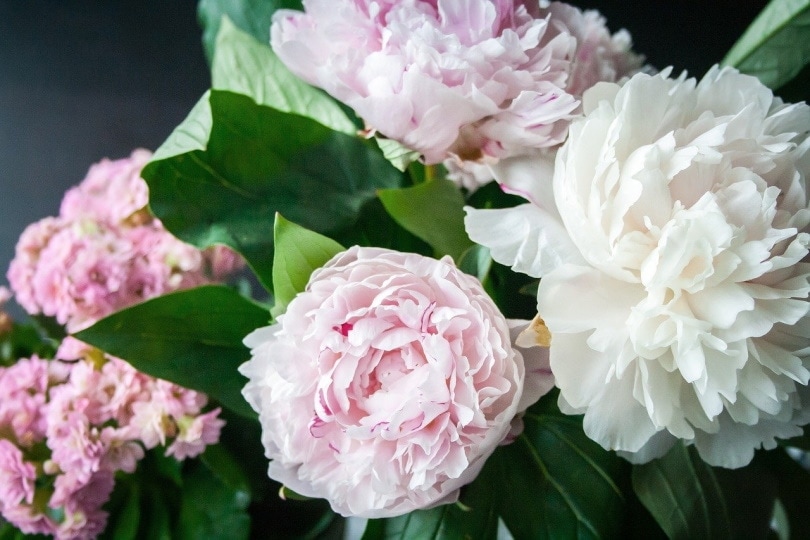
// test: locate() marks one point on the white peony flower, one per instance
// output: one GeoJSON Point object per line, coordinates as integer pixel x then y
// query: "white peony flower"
{"type": "Point", "coordinates": [671, 246]}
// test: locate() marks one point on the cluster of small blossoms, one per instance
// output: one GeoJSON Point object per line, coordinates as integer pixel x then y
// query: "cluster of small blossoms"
{"type": "Point", "coordinates": [105, 251]}
{"type": "Point", "coordinates": [68, 428]}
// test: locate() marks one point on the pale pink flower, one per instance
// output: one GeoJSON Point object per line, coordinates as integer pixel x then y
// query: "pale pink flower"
{"type": "Point", "coordinates": [17, 476]}
{"type": "Point", "coordinates": [599, 56]}
{"type": "Point", "coordinates": [21, 271]}
{"type": "Point", "coordinates": [112, 191]}
{"type": "Point", "coordinates": [195, 433]}
{"type": "Point", "coordinates": [28, 519]}
{"type": "Point", "coordinates": [75, 443]}
{"type": "Point", "coordinates": [83, 516]}
{"type": "Point", "coordinates": [386, 384]}
{"type": "Point", "coordinates": [150, 420]}
{"type": "Point", "coordinates": [124, 450]}
{"type": "Point", "coordinates": [454, 80]}
{"type": "Point", "coordinates": [222, 262]}
{"type": "Point", "coordinates": [672, 247]}
{"type": "Point", "coordinates": [24, 387]}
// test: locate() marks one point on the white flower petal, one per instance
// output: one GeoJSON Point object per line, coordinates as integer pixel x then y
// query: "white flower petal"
{"type": "Point", "coordinates": [525, 237]}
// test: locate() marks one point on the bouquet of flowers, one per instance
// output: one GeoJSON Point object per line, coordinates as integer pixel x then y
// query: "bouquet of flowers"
{"type": "Point", "coordinates": [428, 269]}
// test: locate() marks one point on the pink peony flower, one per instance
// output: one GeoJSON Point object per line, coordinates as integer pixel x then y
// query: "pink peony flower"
{"type": "Point", "coordinates": [386, 384]}
{"type": "Point", "coordinates": [461, 81]}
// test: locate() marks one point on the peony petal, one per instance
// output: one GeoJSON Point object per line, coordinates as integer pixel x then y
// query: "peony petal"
{"type": "Point", "coordinates": [525, 238]}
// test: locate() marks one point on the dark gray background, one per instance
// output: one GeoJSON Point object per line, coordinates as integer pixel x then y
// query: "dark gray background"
{"type": "Point", "coordinates": [82, 80]}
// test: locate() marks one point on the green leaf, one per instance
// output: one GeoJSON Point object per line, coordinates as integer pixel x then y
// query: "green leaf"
{"type": "Point", "coordinates": [158, 526]}
{"type": "Point", "coordinates": [399, 156]}
{"type": "Point", "coordinates": [683, 495]}
{"type": "Point", "coordinates": [192, 338]}
{"type": "Point", "coordinates": [245, 66]}
{"type": "Point", "coordinates": [776, 46]}
{"type": "Point", "coordinates": [287, 494]}
{"type": "Point", "coordinates": [376, 227]}
{"type": "Point", "coordinates": [23, 341]}
{"type": "Point", "coordinates": [209, 509]}
{"type": "Point", "coordinates": [554, 482]}
{"type": "Point", "coordinates": [298, 252]}
{"type": "Point", "coordinates": [167, 467]}
{"type": "Point", "coordinates": [433, 211]}
{"type": "Point", "coordinates": [225, 468]}
{"type": "Point", "coordinates": [192, 134]}
{"type": "Point", "coordinates": [125, 524]}
{"type": "Point", "coordinates": [259, 161]}
{"type": "Point", "coordinates": [252, 16]}
{"type": "Point", "coordinates": [476, 261]}
{"type": "Point", "coordinates": [447, 522]}
{"type": "Point", "coordinates": [791, 480]}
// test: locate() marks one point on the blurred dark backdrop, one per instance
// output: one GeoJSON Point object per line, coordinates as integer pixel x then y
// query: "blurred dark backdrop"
{"type": "Point", "coordinates": [82, 80]}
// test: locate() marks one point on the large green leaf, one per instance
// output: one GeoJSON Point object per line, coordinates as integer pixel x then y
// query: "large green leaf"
{"type": "Point", "coordinates": [259, 161]}
{"type": "Point", "coordinates": [554, 482]}
{"type": "Point", "coordinates": [683, 495]}
{"type": "Point", "coordinates": [192, 338]}
{"type": "Point", "coordinates": [447, 522]}
{"type": "Point", "coordinates": [399, 156]}
{"type": "Point", "coordinates": [224, 467]}
{"type": "Point", "coordinates": [432, 211]}
{"type": "Point", "coordinates": [776, 46]}
{"type": "Point", "coordinates": [252, 16]}
{"type": "Point", "coordinates": [245, 66]}
{"type": "Point", "coordinates": [791, 482]}
{"type": "Point", "coordinates": [143, 504]}
{"type": "Point", "coordinates": [192, 134]}
{"type": "Point", "coordinates": [210, 509]}
{"type": "Point", "coordinates": [476, 518]}
{"type": "Point", "coordinates": [476, 261]}
{"type": "Point", "coordinates": [298, 252]}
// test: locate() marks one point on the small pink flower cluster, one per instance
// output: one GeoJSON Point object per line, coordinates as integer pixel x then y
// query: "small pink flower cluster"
{"type": "Point", "coordinates": [105, 251]}
{"type": "Point", "coordinates": [67, 429]}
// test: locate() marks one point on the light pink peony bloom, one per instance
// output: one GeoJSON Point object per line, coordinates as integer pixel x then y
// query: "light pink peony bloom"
{"type": "Point", "coordinates": [386, 384]}
{"type": "Point", "coordinates": [455, 80]}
